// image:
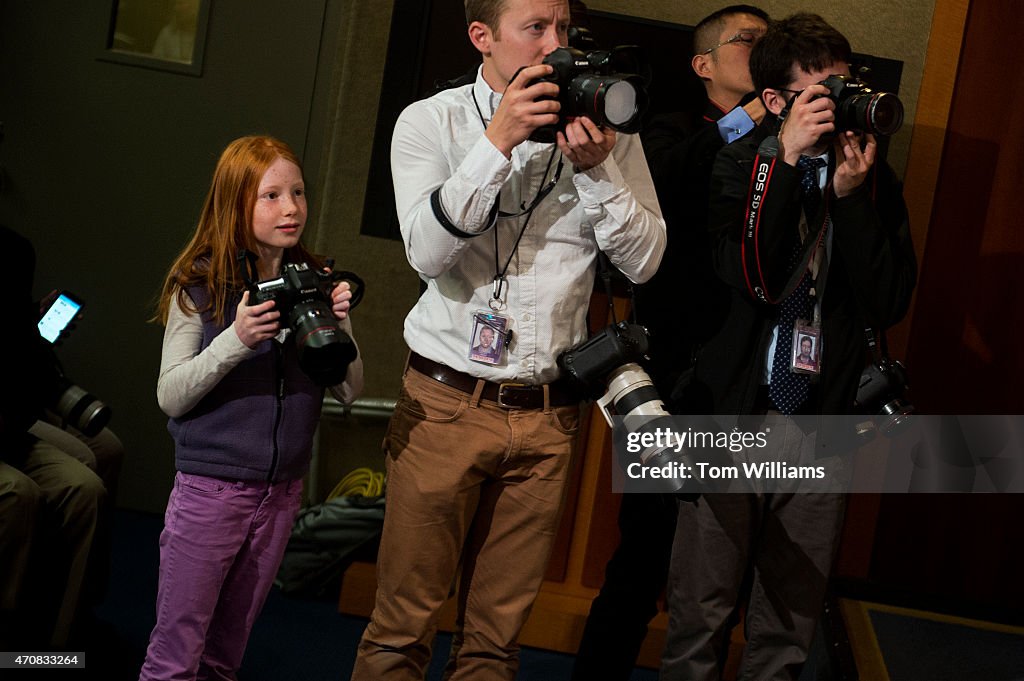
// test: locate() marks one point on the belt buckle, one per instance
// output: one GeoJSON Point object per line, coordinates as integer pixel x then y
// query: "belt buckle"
{"type": "Point", "coordinates": [501, 394]}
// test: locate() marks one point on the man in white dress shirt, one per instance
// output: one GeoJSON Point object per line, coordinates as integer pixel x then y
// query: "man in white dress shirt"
{"type": "Point", "coordinates": [505, 232]}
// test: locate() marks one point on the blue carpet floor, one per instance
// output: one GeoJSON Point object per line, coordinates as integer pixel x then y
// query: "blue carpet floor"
{"type": "Point", "coordinates": [293, 640]}
{"type": "Point", "coordinates": [921, 649]}
{"type": "Point", "coordinates": [308, 640]}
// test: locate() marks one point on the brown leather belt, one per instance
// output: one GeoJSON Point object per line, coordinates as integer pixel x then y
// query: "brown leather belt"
{"type": "Point", "coordinates": [509, 395]}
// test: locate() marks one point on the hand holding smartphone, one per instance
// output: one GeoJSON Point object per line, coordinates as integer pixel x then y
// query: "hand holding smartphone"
{"type": "Point", "coordinates": [62, 310]}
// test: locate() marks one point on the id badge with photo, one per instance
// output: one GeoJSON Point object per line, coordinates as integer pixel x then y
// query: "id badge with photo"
{"type": "Point", "coordinates": [491, 334]}
{"type": "Point", "coordinates": [806, 352]}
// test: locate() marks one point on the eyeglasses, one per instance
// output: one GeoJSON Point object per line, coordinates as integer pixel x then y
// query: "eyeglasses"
{"type": "Point", "coordinates": [795, 93]}
{"type": "Point", "coordinates": [748, 38]}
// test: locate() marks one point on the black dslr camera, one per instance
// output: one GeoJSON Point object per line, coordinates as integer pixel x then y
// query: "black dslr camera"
{"type": "Point", "coordinates": [601, 85]}
{"type": "Point", "coordinates": [605, 366]}
{"type": "Point", "coordinates": [861, 109]}
{"type": "Point", "coordinates": [303, 296]}
{"type": "Point", "coordinates": [880, 391]}
{"type": "Point", "coordinates": [590, 362]}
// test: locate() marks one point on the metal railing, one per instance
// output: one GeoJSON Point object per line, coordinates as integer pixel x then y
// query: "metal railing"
{"type": "Point", "coordinates": [365, 407]}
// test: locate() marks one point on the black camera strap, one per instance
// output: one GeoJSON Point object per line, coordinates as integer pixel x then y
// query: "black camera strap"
{"type": "Point", "coordinates": [449, 226]}
{"type": "Point", "coordinates": [247, 262]}
{"type": "Point", "coordinates": [604, 271]}
{"type": "Point", "coordinates": [527, 210]}
{"type": "Point", "coordinates": [499, 274]}
{"type": "Point", "coordinates": [877, 344]}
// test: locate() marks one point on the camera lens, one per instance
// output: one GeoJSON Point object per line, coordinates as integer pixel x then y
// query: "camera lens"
{"type": "Point", "coordinates": [325, 351]}
{"type": "Point", "coordinates": [880, 113]}
{"type": "Point", "coordinates": [81, 409]}
{"type": "Point", "coordinates": [633, 393]}
{"type": "Point", "coordinates": [634, 397]}
{"type": "Point", "coordinates": [897, 413]}
{"type": "Point", "coordinates": [620, 103]}
{"type": "Point", "coordinates": [885, 113]}
{"type": "Point", "coordinates": [616, 102]}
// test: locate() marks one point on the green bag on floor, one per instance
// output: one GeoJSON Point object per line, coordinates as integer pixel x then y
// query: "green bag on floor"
{"type": "Point", "coordinates": [324, 538]}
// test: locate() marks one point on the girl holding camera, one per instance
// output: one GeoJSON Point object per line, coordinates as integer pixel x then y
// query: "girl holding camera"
{"type": "Point", "coordinates": [242, 414]}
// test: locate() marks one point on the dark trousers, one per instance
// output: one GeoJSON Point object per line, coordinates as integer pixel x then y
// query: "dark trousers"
{"type": "Point", "coordinates": [784, 543]}
{"type": "Point", "coordinates": [634, 580]}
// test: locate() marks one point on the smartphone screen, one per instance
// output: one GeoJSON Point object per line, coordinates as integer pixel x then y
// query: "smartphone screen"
{"type": "Point", "coordinates": [58, 316]}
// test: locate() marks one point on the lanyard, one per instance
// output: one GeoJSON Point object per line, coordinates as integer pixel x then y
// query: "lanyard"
{"type": "Point", "coordinates": [495, 303]}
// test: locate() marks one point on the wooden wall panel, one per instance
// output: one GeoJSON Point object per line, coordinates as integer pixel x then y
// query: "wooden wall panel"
{"type": "Point", "coordinates": [966, 550]}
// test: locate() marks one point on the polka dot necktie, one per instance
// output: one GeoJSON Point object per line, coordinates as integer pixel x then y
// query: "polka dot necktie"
{"type": "Point", "coordinates": [786, 389]}
{"type": "Point", "coordinates": [809, 183]}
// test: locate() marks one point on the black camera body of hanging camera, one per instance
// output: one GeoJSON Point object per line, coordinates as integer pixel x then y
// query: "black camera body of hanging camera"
{"type": "Point", "coordinates": [589, 363]}
{"type": "Point", "coordinates": [594, 84]}
{"type": "Point", "coordinates": [881, 388]}
{"type": "Point", "coordinates": [606, 366]}
{"type": "Point", "coordinates": [302, 294]}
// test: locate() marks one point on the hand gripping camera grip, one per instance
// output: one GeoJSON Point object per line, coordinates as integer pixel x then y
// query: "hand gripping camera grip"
{"type": "Point", "coordinates": [358, 287]}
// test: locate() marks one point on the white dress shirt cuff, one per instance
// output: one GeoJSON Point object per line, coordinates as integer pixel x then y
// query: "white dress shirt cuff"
{"type": "Point", "coordinates": [601, 183]}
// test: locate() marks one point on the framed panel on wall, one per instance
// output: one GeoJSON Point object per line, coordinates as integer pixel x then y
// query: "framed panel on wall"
{"type": "Point", "coordinates": [167, 35]}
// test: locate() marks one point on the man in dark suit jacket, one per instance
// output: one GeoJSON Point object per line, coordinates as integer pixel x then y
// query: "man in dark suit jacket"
{"type": "Point", "coordinates": [680, 306]}
{"type": "Point", "coordinates": [854, 249]}
{"type": "Point", "coordinates": [684, 303]}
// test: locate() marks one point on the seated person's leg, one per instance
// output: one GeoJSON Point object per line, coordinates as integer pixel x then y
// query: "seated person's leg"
{"type": "Point", "coordinates": [104, 454]}
{"type": "Point", "coordinates": [65, 441]}
{"type": "Point", "coordinates": [106, 450]}
{"type": "Point", "coordinates": [19, 509]}
{"type": "Point", "coordinates": [109, 453]}
{"type": "Point", "coordinates": [73, 495]}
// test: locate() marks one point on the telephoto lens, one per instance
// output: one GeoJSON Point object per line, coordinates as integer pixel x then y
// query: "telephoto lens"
{"type": "Point", "coordinates": [80, 409]}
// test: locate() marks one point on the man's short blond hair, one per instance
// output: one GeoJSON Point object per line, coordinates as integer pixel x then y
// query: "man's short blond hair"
{"type": "Point", "coordinates": [487, 12]}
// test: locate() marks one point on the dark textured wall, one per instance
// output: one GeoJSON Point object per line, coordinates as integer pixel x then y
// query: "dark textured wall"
{"type": "Point", "coordinates": [105, 166]}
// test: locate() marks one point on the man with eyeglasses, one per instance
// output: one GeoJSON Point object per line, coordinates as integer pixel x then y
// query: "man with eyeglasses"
{"type": "Point", "coordinates": [677, 305]}
{"type": "Point", "coordinates": [681, 305]}
{"type": "Point", "coordinates": [828, 255]}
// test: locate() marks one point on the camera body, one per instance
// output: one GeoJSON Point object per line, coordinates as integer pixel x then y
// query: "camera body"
{"type": "Point", "coordinates": [299, 285]}
{"type": "Point", "coordinates": [880, 391]}
{"type": "Point", "coordinates": [302, 294]}
{"type": "Point", "coordinates": [862, 109]}
{"type": "Point", "coordinates": [589, 363]}
{"type": "Point", "coordinates": [592, 84]}
{"type": "Point", "coordinates": [606, 366]}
